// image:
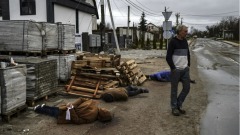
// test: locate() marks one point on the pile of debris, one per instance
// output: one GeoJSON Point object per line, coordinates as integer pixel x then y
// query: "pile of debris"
{"type": "Point", "coordinates": [94, 73]}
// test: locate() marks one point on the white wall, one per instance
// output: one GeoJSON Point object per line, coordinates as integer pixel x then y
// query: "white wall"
{"type": "Point", "coordinates": [64, 14]}
{"type": "Point", "coordinates": [0, 18]}
{"type": "Point", "coordinates": [90, 2]}
{"type": "Point", "coordinates": [41, 11]}
{"type": "Point", "coordinates": [85, 22]}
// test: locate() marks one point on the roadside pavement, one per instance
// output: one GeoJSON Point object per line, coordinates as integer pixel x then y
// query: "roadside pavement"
{"type": "Point", "coordinates": [231, 43]}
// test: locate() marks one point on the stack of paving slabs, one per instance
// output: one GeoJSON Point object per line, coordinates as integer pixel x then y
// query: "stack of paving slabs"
{"type": "Point", "coordinates": [92, 75]}
{"type": "Point", "coordinates": [130, 73]}
{"type": "Point", "coordinates": [35, 37]}
{"type": "Point", "coordinates": [63, 65]}
{"type": "Point", "coordinates": [20, 36]}
{"type": "Point", "coordinates": [66, 36]}
{"type": "Point", "coordinates": [13, 88]}
{"type": "Point", "coordinates": [41, 77]}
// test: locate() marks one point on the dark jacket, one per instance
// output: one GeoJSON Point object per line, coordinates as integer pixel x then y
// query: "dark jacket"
{"type": "Point", "coordinates": [178, 55]}
{"type": "Point", "coordinates": [118, 94]}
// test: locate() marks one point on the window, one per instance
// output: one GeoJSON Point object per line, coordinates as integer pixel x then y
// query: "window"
{"type": "Point", "coordinates": [0, 8]}
{"type": "Point", "coordinates": [27, 7]}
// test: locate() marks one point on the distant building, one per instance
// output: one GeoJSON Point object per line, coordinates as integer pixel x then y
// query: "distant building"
{"type": "Point", "coordinates": [227, 34]}
{"type": "Point", "coordinates": [152, 28]}
{"type": "Point", "coordinates": [81, 13]}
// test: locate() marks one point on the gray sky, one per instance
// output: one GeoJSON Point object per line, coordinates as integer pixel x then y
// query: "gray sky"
{"type": "Point", "coordinates": [196, 13]}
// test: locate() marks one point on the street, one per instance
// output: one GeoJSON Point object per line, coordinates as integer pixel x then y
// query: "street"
{"type": "Point", "coordinates": [218, 65]}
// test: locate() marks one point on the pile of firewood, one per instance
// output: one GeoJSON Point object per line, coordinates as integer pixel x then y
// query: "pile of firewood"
{"type": "Point", "coordinates": [130, 73]}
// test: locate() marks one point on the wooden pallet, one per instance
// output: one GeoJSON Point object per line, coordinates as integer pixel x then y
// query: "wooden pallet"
{"type": "Point", "coordinates": [89, 87]}
{"type": "Point", "coordinates": [71, 51]}
{"type": "Point", "coordinates": [44, 96]}
{"type": "Point", "coordinates": [38, 52]}
{"type": "Point", "coordinates": [15, 112]}
{"type": "Point", "coordinates": [109, 59]}
{"type": "Point", "coordinates": [22, 53]}
{"type": "Point", "coordinates": [95, 67]}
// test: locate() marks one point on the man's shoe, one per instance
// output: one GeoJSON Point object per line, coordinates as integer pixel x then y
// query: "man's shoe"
{"type": "Point", "coordinates": [144, 90]}
{"type": "Point", "coordinates": [181, 111]}
{"type": "Point", "coordinates": [192, 81]}
{"type": "Point", "coordinates": [36, 107]}
{"type": "Point", "coordinates": [175, 112]}
{"type": "Point", "coordinates": [42, 105]}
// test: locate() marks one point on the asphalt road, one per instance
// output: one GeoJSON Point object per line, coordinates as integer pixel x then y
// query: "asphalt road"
{"type": "Point", "coordinates": [218, 66]}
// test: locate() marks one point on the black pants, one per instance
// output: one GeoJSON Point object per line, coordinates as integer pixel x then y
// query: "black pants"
{"type": "Point", "coordinates": [48, 110]}
{"type": "Point", "coordinates": [133, 91]}
{"type": "Point", "coordinates": [179, 76]}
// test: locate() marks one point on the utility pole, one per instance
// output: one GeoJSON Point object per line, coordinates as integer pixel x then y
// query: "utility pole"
{"type": "Point", "coordinates": [181, 21]}
{"type": "Point", "coordinates": [102, 26]}
{"type": "Point", "coordinates": [128, 21]}
{"type": "Point", "coordinates": [177, 16]}
{"type": "Point", "coordinates": [114, 31]}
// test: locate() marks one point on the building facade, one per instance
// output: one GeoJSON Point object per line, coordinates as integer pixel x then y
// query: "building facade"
{"type": "Point", "coordinates": [81, 13]}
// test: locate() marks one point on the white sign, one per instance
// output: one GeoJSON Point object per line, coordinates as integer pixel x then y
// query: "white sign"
{"type": "Point", "coordinates": [167, 25]}
{"type": "Point", "coordinates": [167, 15]}
{"type": "Point", "coordinates": [167, 34]}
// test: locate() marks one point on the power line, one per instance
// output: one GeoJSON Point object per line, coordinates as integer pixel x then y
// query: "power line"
{"type": "Point", "coordinates": [210, 15]}
{"type": "Point", "coordinates": [117, 7]}
{"type": "Point", "coordinates": [142, 9]}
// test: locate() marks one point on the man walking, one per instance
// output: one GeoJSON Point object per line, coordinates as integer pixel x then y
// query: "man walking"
{"type": "Point", "coordinates": [178, 59]}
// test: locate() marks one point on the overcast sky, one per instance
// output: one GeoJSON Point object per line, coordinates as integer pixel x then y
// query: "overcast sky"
{"type": "Point", "coordinates": [194, 13]}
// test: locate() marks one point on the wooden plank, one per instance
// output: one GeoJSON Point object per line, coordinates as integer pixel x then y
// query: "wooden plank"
{"type": "Point", "coordinates": [85, 89]}
{"type": "Point", "coordinates": [113, 83]}
{"type": "Point", "coordinates": [130, 62]}
{"type": "Point", "coordinates": [78, 93]}
{"type": "Point", "coordinates": [96, 90]}
{"type": "Point", "coordinates": [85, 79]}
{"type": "Point", "coordinates": [84, 84]}
{"type": "Point", "coordinates": [132, 66]}
{"type": "Point", "coordinates": [97, 75]}
{"type": "Point", "coordinates": [142, 79]}
{"type": "Point", "coordinates": [71, 83]}
{"type": "Point", "coordinates": [136, 70]}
